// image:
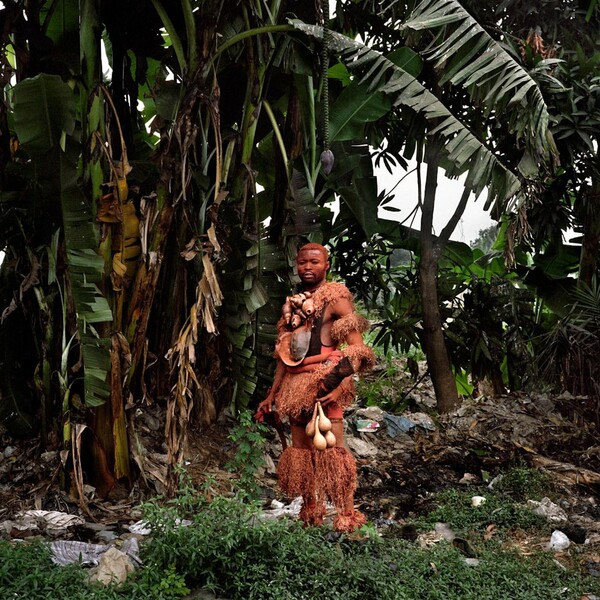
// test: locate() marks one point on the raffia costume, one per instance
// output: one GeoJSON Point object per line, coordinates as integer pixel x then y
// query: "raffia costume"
{"type": "Point", "coordinates": [329, 474]}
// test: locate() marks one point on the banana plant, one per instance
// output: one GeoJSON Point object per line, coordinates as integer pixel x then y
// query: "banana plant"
{"type": "Point", "coordinates": [44, 113]}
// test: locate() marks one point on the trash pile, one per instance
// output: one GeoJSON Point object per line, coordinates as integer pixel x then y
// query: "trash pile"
{"type": "Point", "coordinates": [403, 460]}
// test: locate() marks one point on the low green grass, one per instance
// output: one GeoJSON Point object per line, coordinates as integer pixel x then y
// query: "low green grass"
{"type": "Point", "coordinates": [454, 508]}
{"type": "Point", "coordinates": [228, 550]}
{"type": "Point", "coordinates": [524, 483]}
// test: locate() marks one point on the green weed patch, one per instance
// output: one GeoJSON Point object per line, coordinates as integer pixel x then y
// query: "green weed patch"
{"type": "Point", "coordinates": [454, 508]}
{"type": "Point", "coordinates": [229, 550]}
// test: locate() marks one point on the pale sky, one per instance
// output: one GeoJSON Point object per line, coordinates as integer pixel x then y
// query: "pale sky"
{"type": "Point", "coordinates": [448, 194]}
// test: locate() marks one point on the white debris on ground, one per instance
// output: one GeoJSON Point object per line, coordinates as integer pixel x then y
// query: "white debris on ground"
{"type": "Point", "coordinates": [66, 552]}
{"type": "Point", "coordinates": [113, 569]}
{"type": "Point", "coordinates": [547, 509]}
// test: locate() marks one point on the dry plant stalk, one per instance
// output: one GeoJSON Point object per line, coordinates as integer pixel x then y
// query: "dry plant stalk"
{"type": "Point", "coordinates": [183, 357]}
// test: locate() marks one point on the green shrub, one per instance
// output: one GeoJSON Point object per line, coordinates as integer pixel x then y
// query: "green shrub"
{"type": "Point", "coordinates": [454, 507]}
{"type": "Point", "coordinates": [230, 551]}
{"type": "Point", "coordinates": [27, 573]}
{"type": "Point", "coordinates": [248, 438]}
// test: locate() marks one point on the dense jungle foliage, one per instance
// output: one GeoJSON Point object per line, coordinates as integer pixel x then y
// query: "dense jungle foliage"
{"type": "Point", "coordinates": [161, 161]}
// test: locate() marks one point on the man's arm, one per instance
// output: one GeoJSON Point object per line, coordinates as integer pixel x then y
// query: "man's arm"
{"type": "Point", "coordinates": [347, 327]}
{"type": "Point", "coordinates": [266, 406]}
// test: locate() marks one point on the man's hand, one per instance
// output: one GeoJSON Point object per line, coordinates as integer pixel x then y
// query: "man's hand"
{"type": "Point", "coordinates": [264, 408]}
{"type": "Point", "coordinates": [331, 396]}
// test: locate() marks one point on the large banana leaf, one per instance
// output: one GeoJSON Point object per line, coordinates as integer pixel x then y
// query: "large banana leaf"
{"type": "Point", "coordinates": [85, 272]}
{"type": "Point", "coordinates": [464, 152]}
{"type": "Point", "coordinates": [61, 24]}
{"type": "Point", "coordinates": [44, 111]}
{"type": "Point", "coordinates": [353, 180]}
{"type": "Point", "coordinates": [306, 214]}
{"type": "Point", "coordinates": [274, 268]}
{"type": "Point", "coordinates": [353, 109]}
{"type": "Point", "coordinates": [470, 57]}
{"type": "Point", "coordinates": [357, 105]}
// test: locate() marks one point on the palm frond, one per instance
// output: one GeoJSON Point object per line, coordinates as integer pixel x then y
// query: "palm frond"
{"type": "Point", "coordinates": [464, 151]}
{"type": "Point", "coordinates": [470, 57]}
{"type": "Point", "coordinates": [587, 308]}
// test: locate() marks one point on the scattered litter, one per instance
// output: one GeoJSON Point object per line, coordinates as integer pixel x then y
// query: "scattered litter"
{"type": "Point", "coordinates": [429, 539]}
{"type": "Point", "coordinates": [142, 527]}
{"type": "Point", "coordinates": [468, 478]}
{"type": "Point", "coordinates": [53, 519]}
{"type": "Point", "coordinates": [279, 509]}
{"type": "Point", "coordinates": [361, 448]}
{"type": "Point", "coordinates": [495, 481]}
{"type": "Point", "coordinates": [477, 501]}
{"type": "Point", "coordinates": [423, 420]}
{"type": "Point", "coordinates": [558, 541]}
{"type": "Point", "coordinates": [32, 522]}
{"type": "Point", "coordinates": [68, 552]}
{"type": "Point", "coordinates": [106, 536]}
{"type": "Point", "coordinates": [132, 549]}
{"type": "Point", "coordinates": [9, 451]}
{"type": "Point", "coordinates": [113, 569]}
{"type": "Point", "coordinates": [269, 464]}
{"type": "Point", "coordinates": [373, 413]}
{"type": "Point", "coordinates": [546, 508]}
{"type": "Point", "coordinates": [366, 425]}
{"type": "Point", "coordinates": [472, 562]}
{"type": "Point", "coordinates": [397, 424]}
{"type": "Point", "coordinates": [444, 530]}
{"type": "Point", "coordinates": [441, 532]}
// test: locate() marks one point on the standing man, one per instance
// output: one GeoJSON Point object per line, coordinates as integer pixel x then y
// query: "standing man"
{"type": "Point", "coordinates": [319, 348]}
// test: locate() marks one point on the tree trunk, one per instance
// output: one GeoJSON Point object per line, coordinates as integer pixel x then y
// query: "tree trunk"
{"type": "Point", "coordinates": [588, 263]}
{"type": "Point", "coordinates": [433, 336]}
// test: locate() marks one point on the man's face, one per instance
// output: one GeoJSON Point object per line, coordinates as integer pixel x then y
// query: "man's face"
{"type": "Point", "coordinates": [312, 267]}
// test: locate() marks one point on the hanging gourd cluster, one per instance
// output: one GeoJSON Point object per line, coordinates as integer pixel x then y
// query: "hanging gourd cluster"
{"type": "Point", "coordinates": [319, 429]}
{"type": "Point", "coordinates": [298, 308]}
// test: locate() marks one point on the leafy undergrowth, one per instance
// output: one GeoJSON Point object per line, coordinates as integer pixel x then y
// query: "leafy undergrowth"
{"type": "Point", "coordinates": [27, 573]}
{"type": "Point", "coordinates": [230, 551]}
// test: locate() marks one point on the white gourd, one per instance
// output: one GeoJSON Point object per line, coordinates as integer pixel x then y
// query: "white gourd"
{"type": "Point", "coordinates": [324, 422]}
{"type": "Point", "coordinates": [319, 441]}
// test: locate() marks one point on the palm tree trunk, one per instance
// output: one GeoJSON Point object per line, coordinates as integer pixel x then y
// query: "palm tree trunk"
{"type": "Point", "coordinates": [433, 336]}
